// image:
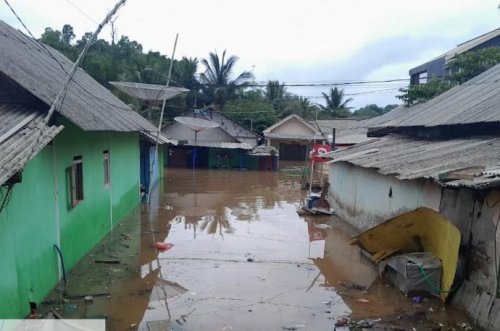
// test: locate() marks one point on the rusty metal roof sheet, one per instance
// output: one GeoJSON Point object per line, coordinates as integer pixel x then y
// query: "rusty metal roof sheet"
{"type": "Point", "coordinates": [294, 136]}
{"type": "Point", "coordinates": [88, 104]}
{"type": "Point", "coordinates": [468, 162]}
{"type": "Point", "coordinates": [162, 139]}
{"type": "Point", "coordinates": [475, 101]}
{"type": "Point", "coordinates": [20, 138]}
{"type": "Point", "coordinates": [216, 144]}
{"type": "Point", "coordinates": [236, 130]}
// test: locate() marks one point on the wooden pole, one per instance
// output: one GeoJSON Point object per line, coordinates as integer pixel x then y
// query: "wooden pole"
{"type": "Point", "coordinates": [155, 156]}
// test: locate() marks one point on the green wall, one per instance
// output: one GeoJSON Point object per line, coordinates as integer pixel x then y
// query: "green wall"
{"type": "Point", "coordinates": [28, 226]}
{"type": "Point", "coordinates": [27, 233]}
{"type": "Point", "coordinates": [91, 218]}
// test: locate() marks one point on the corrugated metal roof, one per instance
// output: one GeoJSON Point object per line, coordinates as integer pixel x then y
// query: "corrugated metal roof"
{"type": "Point", "coordinates": [88, 104]}
{"type": "Point", "coordinates": [20, 138]}
{"type": "Point", "coordinates": [233, 128]}
{"type": "Point", "coordinates": [228, 131]}
{"type": "Point", "coordinates": [294, 136]}
{"type": "Point", "coordinates": [467, 160]}
{"type": "Point", "coordinates": [351, 139]}
{"type": "Point", "coordinates": [348, 131]}
{"type": "Point", "coordinates": [161, 138]}
{"type": "Point", "coordinates": [341, 123]}
{"type": "Point", "coordinates": [216, 144]}
{"type": "Point", "coordinates": [475, 101]}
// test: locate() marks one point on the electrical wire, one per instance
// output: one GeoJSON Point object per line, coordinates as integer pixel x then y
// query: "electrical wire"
{"type": "Point", "coordinates": [81, 11]}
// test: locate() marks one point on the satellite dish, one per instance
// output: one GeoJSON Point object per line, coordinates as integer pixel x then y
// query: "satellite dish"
{"type": "Point", "coordinates": [149, 92]}
{"type": "Point", "coordinates": [196, 124]}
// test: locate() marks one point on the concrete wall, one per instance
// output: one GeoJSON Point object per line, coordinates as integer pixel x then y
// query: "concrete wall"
{"type": "Point", "coordinates": [476, 214]}
{"type": "Point", "coordinates": [365, 198]}
{"type": "Point", "coordinates": [361, 197]}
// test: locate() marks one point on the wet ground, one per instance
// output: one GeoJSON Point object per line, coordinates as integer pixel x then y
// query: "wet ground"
{"type": "Point", "coordinates": [242, 259]}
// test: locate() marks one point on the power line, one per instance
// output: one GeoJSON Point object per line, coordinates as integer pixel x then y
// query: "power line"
{"type": "Point", "coordinates": [81, 11]}
{"type": "Point", "coordinates": [333, 83]}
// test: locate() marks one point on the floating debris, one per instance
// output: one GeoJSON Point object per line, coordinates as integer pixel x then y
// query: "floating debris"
{"type": "Point", "coordinates": [162, 247]}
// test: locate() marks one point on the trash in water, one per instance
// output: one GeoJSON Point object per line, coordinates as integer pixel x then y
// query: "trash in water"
{"type": "Point", "coordinates": [322, 226]}
{"type": "Point", "coordinates": [162, 247]}
{"type": "Point", "coordinates": [363, 300]}
{"type": "Point", "coordinates": [250, 259]}
{"type": "Point", "coordinates": [70, 307]}
{"type": "Point", "coordinates": [342, 322]}
{"type": "Point", "coordinates": [351, 285]}
{"type": "Point", "coordinates": [88, 299]}
{"type": "Point", "coordinates": [126, 236]}
{"type": "Point", "coordinates": [365, 324]}
{"type": "Point", "coordinates": [417, 299]}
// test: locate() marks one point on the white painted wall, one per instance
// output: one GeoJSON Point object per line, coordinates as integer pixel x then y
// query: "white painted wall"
{"type": "Point", "coordinates": [361, 196]}
{"type": "Point", "coordinates": [293, 126]}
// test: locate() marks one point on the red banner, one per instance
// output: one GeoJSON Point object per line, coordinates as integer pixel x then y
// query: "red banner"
{"type": "Point", "coordinates": [318, 151]}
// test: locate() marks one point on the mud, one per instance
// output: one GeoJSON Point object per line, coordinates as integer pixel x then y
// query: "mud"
{"type": "Point", "coordinates": [242, 259]}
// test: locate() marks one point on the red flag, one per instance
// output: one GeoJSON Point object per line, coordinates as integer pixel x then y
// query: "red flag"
{"type": "Point", "coordinates": [317, 152]}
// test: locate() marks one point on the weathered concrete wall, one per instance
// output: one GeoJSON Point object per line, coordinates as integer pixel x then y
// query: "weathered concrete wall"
{"type": "Point", "coordinates": [476, 214]}
{"type": "Point", "coordinates": [361, 197]}
{"type": "Point", "coordinates": [365, 198]}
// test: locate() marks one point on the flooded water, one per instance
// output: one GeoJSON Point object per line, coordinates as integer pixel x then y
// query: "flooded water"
{"type": "Point", "coordinates": [242, 259]}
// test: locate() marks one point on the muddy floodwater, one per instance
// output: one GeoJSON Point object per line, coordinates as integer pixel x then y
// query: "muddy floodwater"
{"type": "Point", "coordinates": [240, 258]}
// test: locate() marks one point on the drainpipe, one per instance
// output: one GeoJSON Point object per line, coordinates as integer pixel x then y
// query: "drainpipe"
{"type": "Point", "coordinates": [56, 203]}
{"type": "Point", "coordinates": [110, 188]}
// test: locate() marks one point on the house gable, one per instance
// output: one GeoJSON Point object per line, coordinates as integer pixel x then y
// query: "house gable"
{"type": "Point", "coordinates": [293, 126]}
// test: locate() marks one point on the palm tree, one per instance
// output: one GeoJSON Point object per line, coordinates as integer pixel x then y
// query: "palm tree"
{"type": "Point", "coordinates": [184, 74]}
{"type": "Point", "coordinates": [217, 78]}
{"type": "Point", "coordinates": [306, 107]}
{"type": "Point", "coordinates": [335, 103]}
{"type": "Point", "coordinates": [275, 90]}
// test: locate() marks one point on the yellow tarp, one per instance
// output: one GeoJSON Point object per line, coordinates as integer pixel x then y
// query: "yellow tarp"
{"type": "Point", "coordinates": [421, 229]}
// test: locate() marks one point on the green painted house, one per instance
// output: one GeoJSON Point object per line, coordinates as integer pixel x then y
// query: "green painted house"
{"type": "Point", "coordinates": [65, 184]}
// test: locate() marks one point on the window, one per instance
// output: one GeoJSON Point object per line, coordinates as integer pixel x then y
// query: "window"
{"type": "Point", "coordinates": [107, 169]}
{"type": "Point", "coordinates": [74, 176]}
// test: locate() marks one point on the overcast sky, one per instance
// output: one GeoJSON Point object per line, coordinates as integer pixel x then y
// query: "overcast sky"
{"type": "Point", "coordinates": [308, 41]}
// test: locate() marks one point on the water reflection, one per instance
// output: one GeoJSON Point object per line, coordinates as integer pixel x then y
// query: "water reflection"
{"type": "Point", "coordinates": [209, 201]}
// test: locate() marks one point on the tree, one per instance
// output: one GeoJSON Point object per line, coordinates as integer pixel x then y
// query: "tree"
{"type": "Point", "coordinates": [468, 65]}
{"type": "Point", "coordinates": [67, 34]}
{"type": "Point", "coordinates": [336, 104]}
{"type": "Point", "coordinates": [257, 114]}
{"type": "Point", "coordinates": [419, 93]}
{"type": "Point", "coordinates": [184, 74]}
{"type": "Point", "coordinates": [217, 78]}
{"type": "Point", "coordinates": [54, 39]}
{"type": "Point", "coordinates": [373, 110]}
{"type": "Point", "coordinates": [275, 90]}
